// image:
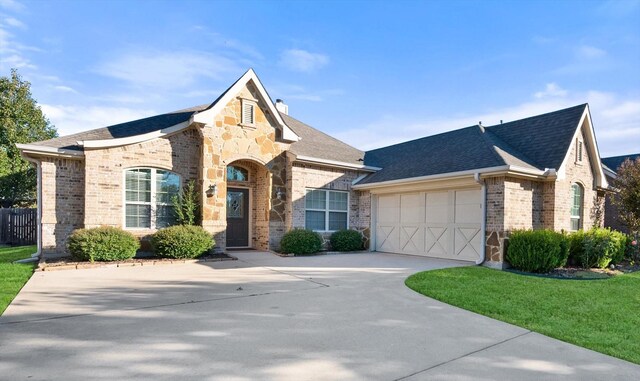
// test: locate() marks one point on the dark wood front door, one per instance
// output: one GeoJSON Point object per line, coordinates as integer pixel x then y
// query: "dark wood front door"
{"type": "Point", "coordinates": [237, 217]}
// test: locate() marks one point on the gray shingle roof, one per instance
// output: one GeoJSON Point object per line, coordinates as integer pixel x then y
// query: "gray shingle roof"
{"type": "Point", "coordinates": [317, 144]}
{"type": "Point", "coordinates": [614, 162]}
{"type": "Point", "coordinates": [314, 143]}
{"type": "Point", "coordinates": [537, 142]}
{"type": "Point", "coordinates": [123, 130]}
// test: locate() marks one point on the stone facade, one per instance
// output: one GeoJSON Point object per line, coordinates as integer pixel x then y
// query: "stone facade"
{"type": "Point", "coordinates": [226, 141]}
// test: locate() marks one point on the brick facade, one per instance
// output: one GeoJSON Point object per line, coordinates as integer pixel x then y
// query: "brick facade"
{"type": "Point", "coordinates": [306, 176]}
{"type": "Point", "coordinates": [62, 201]}
{"type": "Point", "coordinates": [516, 203]}
{"type": "Point", "coordinates": [89, 192]}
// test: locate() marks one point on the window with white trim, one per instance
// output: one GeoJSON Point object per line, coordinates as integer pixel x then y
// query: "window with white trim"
{"type": "Point", "coordinates": [248, 112]}
{"type": "Point", "coordinates": [148, 198]}
{"type": "Point", "coordinates": [326, 210]}
{"type": "Point", "coordinates": [577, 193]}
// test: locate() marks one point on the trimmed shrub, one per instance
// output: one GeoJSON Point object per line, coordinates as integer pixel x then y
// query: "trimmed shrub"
{"type": "Point", "coordinates": [576, 247]}
{"type": "Point", "coordinates": [301, 241]}
{"type": "Point", "coordinates": [347, 240]}
{"type": "Point", "coordinates": [102, 244]}
{"type": "Point", "coordinates": [181, 241]}
{"type": "Point", "coordinates": [602, 246]}
{"type": "Point", "coordinates": [537, 251]}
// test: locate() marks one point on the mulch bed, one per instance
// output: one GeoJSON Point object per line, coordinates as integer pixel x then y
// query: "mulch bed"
{"type": "Point", "coordinates": [67, 263]}
{"type": "Point", "coordinates": [587, 274]}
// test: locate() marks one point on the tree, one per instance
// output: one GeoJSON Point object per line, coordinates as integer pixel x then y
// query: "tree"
{"type": "Point", "coordinates": [21, 121]}
{"type": "Point", "coordinates": [627, 198]}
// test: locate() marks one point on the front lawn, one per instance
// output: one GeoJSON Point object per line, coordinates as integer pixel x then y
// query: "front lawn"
{"type": "Point", "coordinates": [603, 315]}
{"type": "Point", "coordinates": [13, 275]}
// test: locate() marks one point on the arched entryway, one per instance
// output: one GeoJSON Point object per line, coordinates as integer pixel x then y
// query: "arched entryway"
{"type": "Point", "coordinates": [248, 188]}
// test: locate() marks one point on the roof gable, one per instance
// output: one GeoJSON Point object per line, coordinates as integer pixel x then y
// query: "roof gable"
{"type": "Point", "coordinates": [250, 77]}
{"type": "Point", "coordinates": [533, 144]}
{"type": "Point", "coordinates": [544, 139]}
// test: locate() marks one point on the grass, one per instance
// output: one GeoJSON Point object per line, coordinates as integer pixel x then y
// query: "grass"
{"type": "Point", "coordinates": [602, 315]}
{"type": "Point", "coordinates": [13, 275]}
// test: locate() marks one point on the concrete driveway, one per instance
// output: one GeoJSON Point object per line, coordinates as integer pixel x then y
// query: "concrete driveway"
{"type": "Point", "coordinates": [336, 317]}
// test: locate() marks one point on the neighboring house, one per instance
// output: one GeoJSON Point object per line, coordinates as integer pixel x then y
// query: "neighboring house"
{"type": "Point", "coordinates": [261, 172]}
{"type": "Point", "coordinates": [611, 166]}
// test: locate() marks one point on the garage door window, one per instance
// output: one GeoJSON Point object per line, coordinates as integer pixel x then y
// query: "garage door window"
{"type": "Point", "coordinates": [326, 210]}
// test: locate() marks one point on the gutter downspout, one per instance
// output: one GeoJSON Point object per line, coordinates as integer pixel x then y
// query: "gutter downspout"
{"type": "Point", "coordinates": [36, 256]}
{"type": "Point", "coordinates": [483, 229]}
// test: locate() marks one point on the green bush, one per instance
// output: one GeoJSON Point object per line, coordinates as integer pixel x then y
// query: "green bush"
{"type": "Point", "coordinates": [347, 240]}
{"type": "Point", "coordinates": [602, 246]}
{"type": "Point", "coordinates": [181, 241]}
{"type": "Point", "coordinates": [576, 247]}
{"type": "Point", "coordinates": [537, 251]}
{"type": "Point", "coordinates": [102, 244]}
{"type": "Point", "coordinates": [301, 241]}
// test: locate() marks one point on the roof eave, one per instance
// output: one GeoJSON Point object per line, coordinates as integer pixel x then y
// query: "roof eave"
{"type": "Point", "coordinates": [548, 174]}
{"type": "Point", "coordinates": [34, 149]}
{"type": "Point", "coordinates": [335, 164]}
{"type": "Point", "coordinates": [108, 143]}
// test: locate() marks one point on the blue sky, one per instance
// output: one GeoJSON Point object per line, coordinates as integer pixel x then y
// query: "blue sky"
{"type": "Point", "coordinates": [371, 73]}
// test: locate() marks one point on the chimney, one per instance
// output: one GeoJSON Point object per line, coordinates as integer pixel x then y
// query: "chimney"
{"type": "Point", "coordinates": [282, 107]}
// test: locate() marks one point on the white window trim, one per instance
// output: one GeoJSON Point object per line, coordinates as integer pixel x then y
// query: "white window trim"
{"type": "Point", "coordinates": [247, 102]}
{"type": "Point", "coordinates": [152, 202]}
{"type": "Point", "coordinates": [578, 217]}
{"type": "Point", "coordinates": [326, 211]}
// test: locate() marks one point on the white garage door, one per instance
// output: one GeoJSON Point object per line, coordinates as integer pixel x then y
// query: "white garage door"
{"type": "Point", "coordinates": [444, 224]}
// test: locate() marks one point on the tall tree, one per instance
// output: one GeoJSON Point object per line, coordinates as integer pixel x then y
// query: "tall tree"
{"type": "Point", "coordinates": [21, 121]}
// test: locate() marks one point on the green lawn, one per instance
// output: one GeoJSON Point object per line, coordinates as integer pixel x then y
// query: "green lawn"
{"type": "Point", "coordinates": [603, 315]}
{"type": "Point", "coordinates": [13, 275]}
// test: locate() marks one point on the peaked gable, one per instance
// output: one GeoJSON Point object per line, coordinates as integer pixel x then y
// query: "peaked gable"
{"type": "Point", "coordinates": [248, 78]}
{"type": "Point", "coordinates": [533, 144]}
{"type": "Point", "coordinates": [545, 139]}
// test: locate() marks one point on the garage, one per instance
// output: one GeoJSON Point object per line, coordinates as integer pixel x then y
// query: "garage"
{"type": "Point", "coordinates": [443, 224]}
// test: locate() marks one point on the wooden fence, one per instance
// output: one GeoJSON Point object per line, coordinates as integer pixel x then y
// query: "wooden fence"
{"type": "Point", "coordinates": [18, 226]}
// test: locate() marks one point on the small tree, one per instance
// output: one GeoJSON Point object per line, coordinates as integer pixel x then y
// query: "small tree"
{"type": "Point", "coordinates": [627, 196]}
{"type": "Point", "coordinates": [21, 121]}
{"type": "Point", "coordinates": [186, 205]}
{"type": "Point", "coordinates": [597, 212]}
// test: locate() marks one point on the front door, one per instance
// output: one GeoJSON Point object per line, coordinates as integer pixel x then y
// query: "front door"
{"type": "Point", "coordinates": [237, 217]}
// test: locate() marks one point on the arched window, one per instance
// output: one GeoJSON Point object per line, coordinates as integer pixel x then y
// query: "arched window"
{"type": "Point", "coordinates": [237, 173]}
{"type": "Point", "coordinates": [577, 194]}
{"type": "Point", "coordinates": [148, 198]}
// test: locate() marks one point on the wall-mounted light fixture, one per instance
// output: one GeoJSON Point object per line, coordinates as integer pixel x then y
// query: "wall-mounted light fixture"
{"type": "Point", "coordinates": [280, 193]}
{"type": "Point", "coordinates": [212, 191]}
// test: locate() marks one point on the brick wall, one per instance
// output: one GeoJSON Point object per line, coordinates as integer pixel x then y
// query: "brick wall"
{"type": "Point", "coordinates": [305, 176]}
{"type": "Point", "coordinates": [62, 202]}
{"type": "Point", "coordinates": [582, 174]}
{"type": "Point", "coordinates": [104, 168]}
{"type": "Point", "coordinates": [514, 203]}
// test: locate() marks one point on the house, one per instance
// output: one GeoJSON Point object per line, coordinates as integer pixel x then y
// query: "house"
{"type": "Point", "coordinates": [261, 172]}
{"type": "Point", "coordinates": [611, 166]}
